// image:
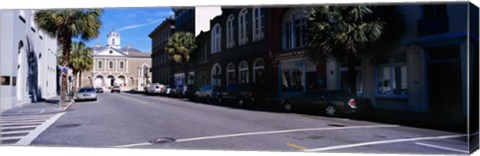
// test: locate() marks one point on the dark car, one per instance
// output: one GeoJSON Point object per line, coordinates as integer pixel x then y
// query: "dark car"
{"type": "Point", "coordinates": [99, 90]}
{"type": "Point", "coordinates": [176, 91]}
{"type": "Point", "coordinates": [189, 91]}
{"type": "Point", "coordinates": [330, 103]}
{"type": "Point", "coordinates": [243, 94]}
{"type": "Point", "coordinates": [116, 89]}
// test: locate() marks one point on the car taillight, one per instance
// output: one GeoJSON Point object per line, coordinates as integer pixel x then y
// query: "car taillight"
{"type": "Point", "coordinates": [351, 103]}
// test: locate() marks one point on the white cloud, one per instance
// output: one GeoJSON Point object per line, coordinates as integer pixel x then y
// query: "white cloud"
{"type": "Point", "coordinates": [135, 26]}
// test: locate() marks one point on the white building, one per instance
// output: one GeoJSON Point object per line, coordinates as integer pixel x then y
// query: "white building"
{"type": "Point", "coordinates": [118, 65]}
{"type": "Point", "coordinates": [28, 71]}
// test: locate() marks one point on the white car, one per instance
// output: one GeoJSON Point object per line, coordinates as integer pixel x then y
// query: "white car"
{"type": "Point", "coordinates": [155, 88]}
{"type": "Point", "coordinates": [86, 94]}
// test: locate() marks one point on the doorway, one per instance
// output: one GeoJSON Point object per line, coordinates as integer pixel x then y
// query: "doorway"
{"type": "Point", "coordinates": [445, 80]}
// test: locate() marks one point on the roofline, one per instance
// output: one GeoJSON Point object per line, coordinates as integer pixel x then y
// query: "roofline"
{"type": "Point", "coordinates": [164, 22]}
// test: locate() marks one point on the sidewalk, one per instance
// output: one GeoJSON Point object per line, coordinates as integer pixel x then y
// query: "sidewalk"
{"type": "Point", "coordinates": [47, 106]}
{"type": "Point", "coordinates": [447, 122]}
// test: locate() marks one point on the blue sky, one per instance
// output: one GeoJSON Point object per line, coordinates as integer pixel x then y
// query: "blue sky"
{"type": "Point", "coordinates": [134, 25]}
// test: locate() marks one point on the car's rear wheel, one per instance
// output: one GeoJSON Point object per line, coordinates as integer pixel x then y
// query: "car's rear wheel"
{"type": "Point", "coordinates": [330, 110]}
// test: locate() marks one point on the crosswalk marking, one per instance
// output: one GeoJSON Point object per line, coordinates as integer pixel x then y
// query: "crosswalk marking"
{"type": "Point", "coordinates": [21, 130]}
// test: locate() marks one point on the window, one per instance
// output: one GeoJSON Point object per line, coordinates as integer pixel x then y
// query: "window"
{"type": "Point", "coordinates": [121, 65]}
{"type": "Point", "coordinates": [242, 27]}
{"type": "Point", "coordinates": [99, 64]}
{"type": "Point", "coordinates": [294, 29]}
{"type": "Point", "coordinates": [230, 74]}
{"type": "Point", "coordinates": [216, 75]}
{"type": "Point", "coordinates": [110, 64]}
{"type": "Point", "coordinates": [392, 77]}
{"type": "Point", "coordinates": [292, 76]}
{"type": "Point", "coordinates": [230, 28]}
{"type": "Point", "coordinates": [258, 71]}
{"type": "Point", "coordinates": [216, 38]}
{"type": "Point", "coordinates": [113, 41]}
{"type": "Point", "coordinates": [243, 72]}
{"type": "Point", "coordinates": [257, 24]}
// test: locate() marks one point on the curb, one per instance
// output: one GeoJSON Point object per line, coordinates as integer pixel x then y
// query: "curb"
{"type": "Point", "coordinates": [69, 104]}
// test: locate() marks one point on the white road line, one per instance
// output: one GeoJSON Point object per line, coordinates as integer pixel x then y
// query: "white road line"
{"type": "Point", "coordinates": [12, 138]}
{"type": "Point", "coordinates": [262, 133]}
{"type": "Point", "coordinates": [383, 142]}
{"type": "Point", "coordinates": [133, 99]}
{"type": "Point", "coordinates": [14, 132]}
{"type": "Point", "coordinates": [43, 110]}
{"type": "Point", "coordinates": [22, 121]}
{"type": "Point", "coordinates": [441, 147]}
{"type": "Point", "coordinates": [17, 127]}
{"type": "Point", "coordinates": [12, 124]}
{"type": "Point", "coordinates": [34, 134]}
{"type": "Point", "coordinates": [25, 118]}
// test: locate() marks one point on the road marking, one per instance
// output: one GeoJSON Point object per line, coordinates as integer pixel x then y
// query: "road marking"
{"type": "Point", "coordinates": [15, 132]}
{"type": "Point", "coordinates": [43, 110]}
{"type": "Point", "coordinates": [264, 133]}
{"type": "Point", "coordinates": [17, 127]}
{"type": "Point", "coordinates": [133, 99]}
{"type": "Point", "coordinates": [34, 134]}
{"type": "Point", "coordinates": [383, 142]}
{"type": "Point", "coordinates": [296, 146]}
{"type": "Point", "coordinates": [441, 147]}
{"type": "Point", "coordinates": [13, 124]}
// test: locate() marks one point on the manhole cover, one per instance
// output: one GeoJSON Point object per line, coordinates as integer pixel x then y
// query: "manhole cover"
{"type": "Point", "coordinates": [161, 140]}
{"type": "Point", "coordinates": [67, 125]}
{"type": "Point", "coordinates": [336, 125]}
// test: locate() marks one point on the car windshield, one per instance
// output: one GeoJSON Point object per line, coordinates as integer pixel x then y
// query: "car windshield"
{"type": "Point", "coordinates": [82, 90]}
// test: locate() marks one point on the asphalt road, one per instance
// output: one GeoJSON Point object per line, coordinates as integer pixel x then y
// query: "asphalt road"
{"type": "Point", "coordinates": [128, 120]}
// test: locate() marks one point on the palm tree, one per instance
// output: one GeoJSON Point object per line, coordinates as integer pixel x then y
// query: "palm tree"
{"type": "Point", "coordinates": [180, 47]}
{"type": "Point", "coordinates": [66, 24]}
{"type": "Point", "coordinates": [342, 32]}
{"type": "Point", "coordinates": [81, 59]}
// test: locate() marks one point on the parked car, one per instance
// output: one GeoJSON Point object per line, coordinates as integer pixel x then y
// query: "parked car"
{"type": "Point", "coordinates": [177, 91]}
{"type": "Point", "coordinates": [206, 93]}
{"type": "Point", "coordinates": [328, 102]}
{"type": "Point", "coordinates": [116, 89]}
{"type": "Point", "coordinates": [155, 88]}
{"type": "Point", "coordinates": [243, 94]}
{"type": "Point", "coordinates": [98, 90]}
{"type": "Point", "coordinates": [86, 94]}
{"type": "Point", "coordinates": [189, 91]}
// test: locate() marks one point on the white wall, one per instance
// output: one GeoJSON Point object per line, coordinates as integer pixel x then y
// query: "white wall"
{"type": "Point", "coordinates": [13, 31]}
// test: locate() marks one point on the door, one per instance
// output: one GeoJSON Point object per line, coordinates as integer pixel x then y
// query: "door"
{"type": "Point", "coordinates": [444, 77]}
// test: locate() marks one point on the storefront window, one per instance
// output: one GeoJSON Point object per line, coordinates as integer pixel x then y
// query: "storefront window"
{"type": "Point", "coordinates": [392, 77]}
{"type": "Point", "coordinates": [292, 74]}
{"type": "Point", "coordinates": [258, 71]}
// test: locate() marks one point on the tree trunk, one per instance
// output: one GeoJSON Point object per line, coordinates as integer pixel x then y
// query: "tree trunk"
{"type": "Point", "coordinates": [66, 46]}
{"type": "Point", "coordinates": [79, 79]}
{"type": "Point", "coordinates": [352, 78]}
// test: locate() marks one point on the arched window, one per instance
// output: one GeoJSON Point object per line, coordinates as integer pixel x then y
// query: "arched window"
{"type": "Point", "coordinates": [113, 41]}
{"type": "Point", "coordinates": [230, 74]}
{"type": "Point", "coordinates": [294, 29]}
{"type": "Point", "coordinates": [243, 72]}
{"type": "Point", "coordinates": [258, 71]}
{"type": "Point", "coordinates": [216, 75]}
{"type": "Point", "coordinates": [257, 24]}
{"type": "Point", "coordinates": [242, 27]}
{"type": "Point", "coordinates": [230, 28]}
{"type": "Point", "coordinates": [216, 38]}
